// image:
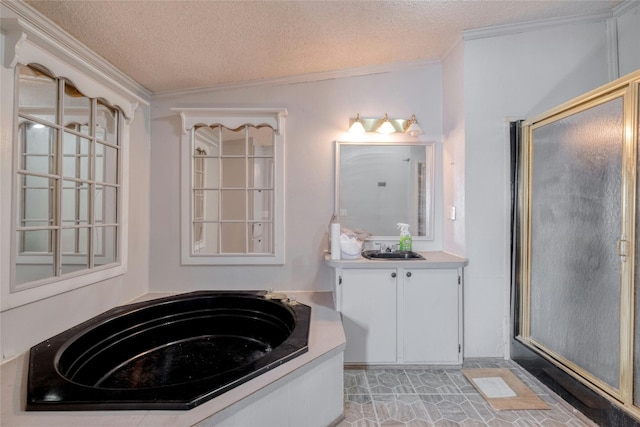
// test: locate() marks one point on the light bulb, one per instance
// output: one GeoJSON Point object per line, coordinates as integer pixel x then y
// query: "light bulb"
{"type": "Point", "coordinates": [357, 127]}
{"type": "Point", "coordinates": [414, 128]}
{"type": "Point", "coordinates": [386, 127]}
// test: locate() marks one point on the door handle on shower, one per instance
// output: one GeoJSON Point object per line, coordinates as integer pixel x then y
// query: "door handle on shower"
{"type": "Point", "coordinates": [623, 248]}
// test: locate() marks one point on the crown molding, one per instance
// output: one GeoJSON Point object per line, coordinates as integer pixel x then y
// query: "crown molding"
{"type": "Point", "coordinates": [625, 7]}
{"type": "Point", "coordinates": [503, 30]}
{"type": "Point", "coordinates": [76, 51]}
{"type": "Point", "coordinates": [301, 78]}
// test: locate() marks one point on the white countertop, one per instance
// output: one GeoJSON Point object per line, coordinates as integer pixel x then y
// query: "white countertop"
{"type": "Point", "coordinates": [432, 259]}
{"type": "Point", "coordinates": [326, 338]}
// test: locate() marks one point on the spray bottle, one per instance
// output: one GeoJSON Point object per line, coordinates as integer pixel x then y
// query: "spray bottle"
{"type": "Point", "coordinates": [405, 237]}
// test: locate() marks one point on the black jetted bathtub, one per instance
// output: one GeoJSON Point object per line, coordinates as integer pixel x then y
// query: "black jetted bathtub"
{"type": "Point", "coordinates": [167, 353]}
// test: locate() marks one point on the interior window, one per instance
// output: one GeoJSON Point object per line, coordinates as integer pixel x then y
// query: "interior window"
{"type": "Point", "coordinates": [232, 193]}
{"type": "Point", "coordinates": [68, 181]}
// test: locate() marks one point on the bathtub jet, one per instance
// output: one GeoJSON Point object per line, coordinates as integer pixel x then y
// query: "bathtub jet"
{"type": "Point", "coordinates": [169, 353]}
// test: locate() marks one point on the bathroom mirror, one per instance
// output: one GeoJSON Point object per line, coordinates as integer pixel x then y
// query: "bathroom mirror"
{"type": "Point", "coordinates": [381, 184]}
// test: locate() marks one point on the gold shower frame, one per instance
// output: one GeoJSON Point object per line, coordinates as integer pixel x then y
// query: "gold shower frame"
{"type": "Point", "coordinates": [628, 89]}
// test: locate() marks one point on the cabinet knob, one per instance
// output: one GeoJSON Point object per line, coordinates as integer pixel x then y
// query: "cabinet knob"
{"type": "Point", "coordinates": [408, 274]}
{"type": "Point", "coordinates": [393, 274]}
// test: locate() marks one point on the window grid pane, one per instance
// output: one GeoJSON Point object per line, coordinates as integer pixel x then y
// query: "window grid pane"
{"type": "Point", "coordinates": [106, 128]}
{"type": "Point", "coordinates": [76, 109]}
{"type": "Point", "coordinates": [38, 94]}
{"type": "Point", "coordinates": [44, 268]}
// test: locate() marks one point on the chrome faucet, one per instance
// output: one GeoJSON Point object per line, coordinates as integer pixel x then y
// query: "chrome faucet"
{"type": "Point", "coordinates": [387, 248]}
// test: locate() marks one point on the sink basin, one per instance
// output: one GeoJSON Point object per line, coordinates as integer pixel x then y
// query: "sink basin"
{"type": "Point", "coordinates": [399, 255]}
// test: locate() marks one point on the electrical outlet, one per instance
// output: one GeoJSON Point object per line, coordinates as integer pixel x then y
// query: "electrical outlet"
{"type": "Point", "coordinates": [452, 213]}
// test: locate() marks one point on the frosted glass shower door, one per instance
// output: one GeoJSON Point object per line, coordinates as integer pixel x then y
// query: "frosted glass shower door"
{"type": "Point", "coordinates": [576, 198]}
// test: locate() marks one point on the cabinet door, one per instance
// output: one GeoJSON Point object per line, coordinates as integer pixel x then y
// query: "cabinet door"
{"type": "Point", "coordinates": [369, 315]}
{"type": "Point", "coordinates": [430, 316]}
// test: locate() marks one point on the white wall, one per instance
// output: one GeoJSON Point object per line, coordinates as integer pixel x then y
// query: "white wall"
{"type": "Point", "coordinates": [318, 114]}
{"type": "Point", "coordinates": [627, 23]}
{"type": "Point", "coordinates": [511, 76]}
{"type": "Point", "coordinates": [453, 154]}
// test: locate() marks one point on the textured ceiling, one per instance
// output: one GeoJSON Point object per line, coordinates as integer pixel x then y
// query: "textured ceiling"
{"type": "Point", "coordinates": [176, 45]}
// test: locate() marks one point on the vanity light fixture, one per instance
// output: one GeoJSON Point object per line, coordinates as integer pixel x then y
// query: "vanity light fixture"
{"type": "Point", "coordinates": [385, 125]}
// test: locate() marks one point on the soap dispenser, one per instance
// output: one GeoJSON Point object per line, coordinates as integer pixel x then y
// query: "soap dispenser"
{"type": "Point", "coordinates": [405, 237]}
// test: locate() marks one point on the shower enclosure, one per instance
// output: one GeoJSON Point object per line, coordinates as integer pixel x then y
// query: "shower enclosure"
{"type": "Point", "coordinates": [576, 240]}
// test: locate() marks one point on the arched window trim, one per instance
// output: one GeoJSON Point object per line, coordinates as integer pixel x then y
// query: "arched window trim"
{"type": "Point", "coordinates": [25, 45]}
{"type": "Point", "coordinates": [232, 118]}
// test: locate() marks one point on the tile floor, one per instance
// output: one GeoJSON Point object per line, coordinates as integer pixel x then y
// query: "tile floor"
{"type": "Point", "coordinates": [442, 396]}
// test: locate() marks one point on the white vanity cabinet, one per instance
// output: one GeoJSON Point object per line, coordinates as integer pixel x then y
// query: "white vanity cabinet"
{"type": "Point", "coordinates": [369, 314]}
{"type": "Point", "coordinates": [429, 315]}
{"type": "Point", "coordinates": [401, 312]}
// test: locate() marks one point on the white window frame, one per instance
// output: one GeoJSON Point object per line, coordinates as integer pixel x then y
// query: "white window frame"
{"type": "Point", "coordinates": [199, 178]}
{"type": "Point", "coordinates": [94, 225]}
{"type": "Point", "coordinates": [24, 44]}
{"type": "Point", "coordinates": [231, 118]}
